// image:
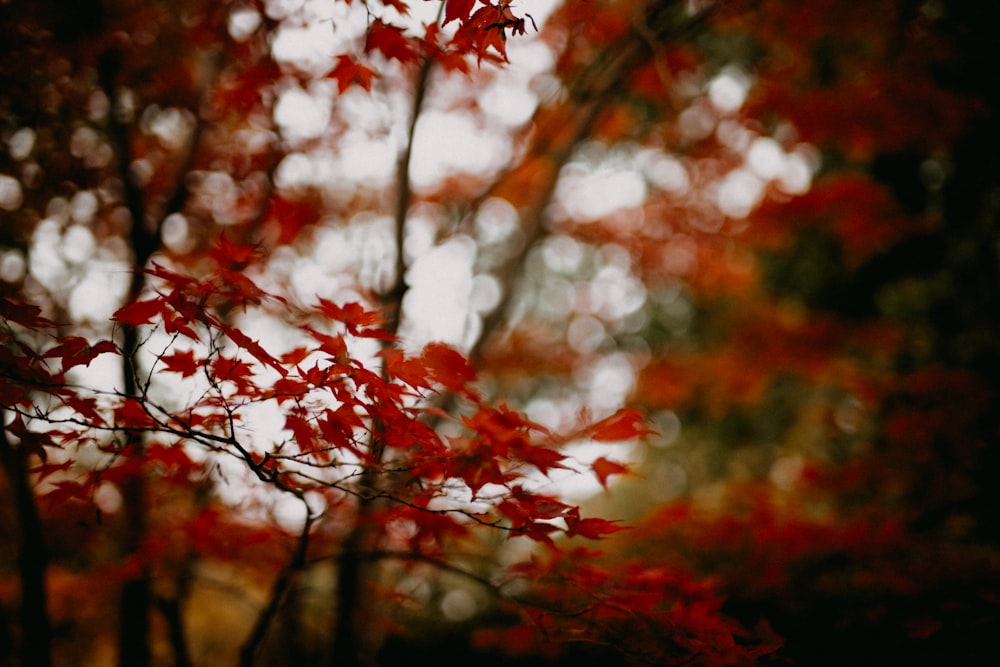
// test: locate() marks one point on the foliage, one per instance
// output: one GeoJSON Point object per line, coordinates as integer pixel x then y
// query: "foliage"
{"type": "Point", "coordinates": [280, 389]}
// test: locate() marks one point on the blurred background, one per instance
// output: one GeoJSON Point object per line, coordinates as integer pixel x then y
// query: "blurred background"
{"type": "Point", "coordinates": [771, 225]}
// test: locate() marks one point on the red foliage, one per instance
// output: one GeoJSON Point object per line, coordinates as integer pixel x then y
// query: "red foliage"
{"type": "Point", "coordinates": [822, 448]}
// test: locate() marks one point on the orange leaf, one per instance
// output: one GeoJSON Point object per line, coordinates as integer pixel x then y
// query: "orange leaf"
{"type": "Point", "coordinates": [604, 468]}
{"type": "Point", "coordinates": [447, 367]}
{"type": "Point", "coordinates": [626, 424]}
{"type": "Point", "coordinates": [349, 71]}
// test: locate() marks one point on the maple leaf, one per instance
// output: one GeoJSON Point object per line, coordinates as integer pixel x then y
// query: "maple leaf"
{"type": "Point", "coordinates": [446, 366]}
{"type": "Point", "coordinates": [231, 255]}
{"type": "Point", "coordinates": [31, 441]}
{"type": "Point", "coordinates": [604, 468]}
{"type": "Point", "coordinates": [27, 315]}
{"type": "Point", "coordinates": [593, 529]}
{"type": "Point", "coordinates": [543, 458]}
{"type": "Point", "coordinates": [353, 315]}
{"type": "Point", "coordinates": [234, 370]}
{"type": "Point", "coordinates": [46, 469]}
{"type": "Point", "coordinates": [131, 414]}
{"type": "Point", "coordinates": [407, 369]}
{"type": "Point", "coordinates": [241, 288]}
{"type": "Point", "coordinates": [626, 424]}
{"type": "Point", "coordinates": [178, 280]}
{"type": "Point", "coordinates": [254, 348]}
{"type": "Point", "coordinates": [295, 356]}
{"type": "Point", "coordinates": [475, 464]}
{"type": "Point", "coordinates": [140, 312]}
{"type": "Point", "coordinates": [181, 362]}
{"type": "Point", "coordinates": [77, 351]}
{"type": "Point", "coordinates": [303, 432]}
{"type": "Point", "coordinates": [483, 31]}
{"type": "Point", "coordinates": [177, 324]}
{"type": "Point", "coordinates": [457, 10]}
{"type": "Point", "coordinates": [390, 41]}
{"type": "Point", "coordinates": [334, 346]}
{"type": "Point", "coordinates": [486, 29]}
{"type": "Point", "coordinates": [337, 426]}
{"type": "Point", "coordinates": [348, 72]}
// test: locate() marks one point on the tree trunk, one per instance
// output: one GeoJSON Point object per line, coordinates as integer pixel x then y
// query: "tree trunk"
{"type": "Point", "coordinates": [32, 559]}
{"type": "Point", "coordinates": [133, 638]}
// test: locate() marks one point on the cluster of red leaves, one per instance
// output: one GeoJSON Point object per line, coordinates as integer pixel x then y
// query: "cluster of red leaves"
{"type": "Point", "coordinates": [482, 33]}
{"type": "Point", "coordinates": [762, 549]}
{"type": "Point", "coordinates": [860, 213]}
{"type": "Point", "coordinates": [339, 414]}
{"type": "Point", "coordinates": [869, 93]}
{"type": "Point", "coordinates": [739, 370]}
{"type": "Point", "coordinates": [653, 614]}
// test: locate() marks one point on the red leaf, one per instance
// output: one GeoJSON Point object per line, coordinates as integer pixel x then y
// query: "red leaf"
{"type": "Point", "coordinates": [482, 31]}
{"type": "Point", "coordinates": [477, 466]}
{"type": "Point", "coordinates": [131, 414]}
{"type": "Point", "coordinates": [172, 458]}
{"type": "Point", "coordinates": [399, 5]}
{"type": "Point", "coordinates": [437, 364]}
{"type": "Point", "coordinates": [409, 370]}
{"type": "Point", "coordinates": [486, 28]}
{"type": "Point", "coordinates": [592, 529]}
{"type": "Point", "coordinates": [254, 348]}
{"type": "Point", "coordinates": [234, 370]}
{"type": "Point", "coordinates": [390, 41]}
{"type": "Point", "coordinates": [140, 312]}
{"type": "Point", "coordinates": [303, 432]}
{"type": "Point", "coordinates": [535, 506]}
{"type": "Point", "coordinates": [337, 427]}
{"type": "Point", "coordinates": [287, 388]}
{"type": "Point", "coordinates": [77, 351]}
{"type": "Point", "coordinates": [29, 440]}
{"type": "Point", "coordinates": [26, 315]}
{"type": "Point", "coordinates": [171, 277]}
{"type": "Point", "coordinates": [242, 288]}
{"type": "Point", "coordinates": [46, 469]}
{"type": "Point", "coordinates": [353, 315]}
{"type": "Point", "coordinates": [86, 406]}
{"type": "Point", "coordinates": [331, 345]}
{"type": "Point", "coordinates": [232, 255]}
{"type": "Point", "coordinates": [626, 424]}
{"type": "Point", "coordinates": [177, 324]}
{"type": "Point", "coordinates": [295, 356]}
{"type": "Point", "coordinates": [543, 458]}
{"type": "Point", "coordinates": [447, 367]}
{"type": "Point", "coordinates": [181, 362]}
{"type": "Point", "coordinates": [457, 10]}
{"type": "Point", "coordinates": [604, 468]}
{"type": "Point", "coordinates": [349, 71]}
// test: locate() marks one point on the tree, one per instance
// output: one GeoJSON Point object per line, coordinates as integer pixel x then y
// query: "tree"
{"type": "Point", "coordinates": [838, 403]}
{"type": "Point", "coordinates": [229, 262]}
{"type": "Point", "coordinates": [153, 161]}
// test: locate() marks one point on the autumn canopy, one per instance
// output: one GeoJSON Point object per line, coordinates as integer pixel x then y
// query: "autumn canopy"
{"type": "Point", "coordinates": [406, 332]}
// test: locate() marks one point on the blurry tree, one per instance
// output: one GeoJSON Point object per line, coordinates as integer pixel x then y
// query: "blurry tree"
{"type": "Point", "coordinates": [318, 315]}
{"type": "Point", "coordinates": [831, 420]}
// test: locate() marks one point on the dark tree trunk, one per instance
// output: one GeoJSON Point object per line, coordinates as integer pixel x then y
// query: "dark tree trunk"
{"type": "Point", "coordinates": [32, 559]}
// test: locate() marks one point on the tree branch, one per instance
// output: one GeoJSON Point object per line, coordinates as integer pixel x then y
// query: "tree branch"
{"type": "Point", "coordinates": [279, 591]}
